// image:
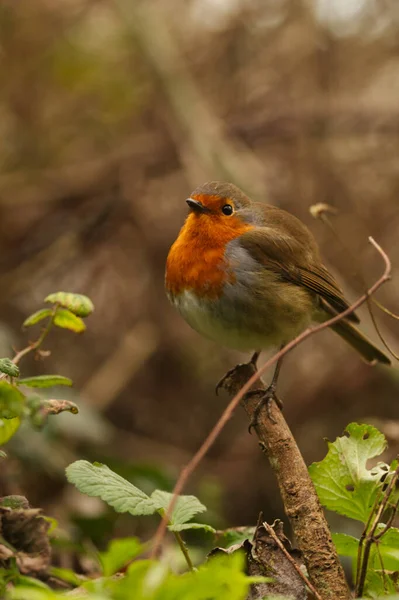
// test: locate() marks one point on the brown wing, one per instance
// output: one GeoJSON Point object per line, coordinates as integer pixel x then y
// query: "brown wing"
{"type": "Point", "coordinates": [295, 262]}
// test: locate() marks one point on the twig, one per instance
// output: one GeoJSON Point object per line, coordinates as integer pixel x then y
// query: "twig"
{"type": "Point", "coordinates": [371, 537]}
{"type": "Point", "coordinates": [288, 556]}
{"type": "Point", "coordinates": [38, 343]}
{"type": "Point", "coordinates": [228, 412]}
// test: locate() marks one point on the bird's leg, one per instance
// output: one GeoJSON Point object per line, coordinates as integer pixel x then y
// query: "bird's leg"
{"type": "Point", "coordinates": [230, 374]}
{"type": "Point", "coordinates": [266, 398]}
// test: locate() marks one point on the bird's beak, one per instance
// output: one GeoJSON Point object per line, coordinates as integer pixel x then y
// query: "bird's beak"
{"type": "Point", "coordinates": [197, 206]}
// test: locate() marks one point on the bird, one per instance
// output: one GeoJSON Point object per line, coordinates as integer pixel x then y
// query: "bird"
{"type": "Point", "coordinates": [249, 276]}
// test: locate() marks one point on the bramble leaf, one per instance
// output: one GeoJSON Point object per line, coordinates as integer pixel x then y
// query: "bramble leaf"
{"type": "Point", "coordinates": [44, 381]}
{"type": "Point", "coordinates": [343, 481]}
{"type": "Point", "coordinates": [186, 526]}
{"type": "Point", "coordinates": [78, 304]}
{"type": "Point", "coordinates": [37, 317]}
{"type": "Point", "coordinates": [65, 319]}
{"type": "Point", "coordinates": [8, 367]}
{"type": "Point", "coordinates": [7, 429]}
{"type": "Point", "coordinates": [99, 481]}
{"type": "Point", "coordinates": [12, 401]}
{"type": "Point", "coordinates": [186, 507]}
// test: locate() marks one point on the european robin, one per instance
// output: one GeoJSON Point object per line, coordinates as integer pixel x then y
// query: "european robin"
{"type": "Point", "coordinates": [249, 276]}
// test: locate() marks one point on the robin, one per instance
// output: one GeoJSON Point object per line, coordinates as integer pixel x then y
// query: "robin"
{"type": "Point", "coordinates": [249, 276]}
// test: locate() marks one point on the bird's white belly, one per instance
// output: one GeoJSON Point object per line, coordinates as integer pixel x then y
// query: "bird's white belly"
{"type": "Point", "coordinates": [206, 317]}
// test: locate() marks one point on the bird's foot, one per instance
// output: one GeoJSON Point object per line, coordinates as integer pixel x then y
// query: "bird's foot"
{"type": "Point", "coordinates": [241, 372]}
{"type": "Point", "coordinates": [266, 398]}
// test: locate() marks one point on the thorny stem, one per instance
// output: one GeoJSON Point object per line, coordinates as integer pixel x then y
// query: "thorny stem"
{"type": "Point", "coordinates": [371, 537]}
{"type": "Point", "coordinates": [288, 556]}
{"type": "Point", "coordinates": [226, 415]}
{"type": "Point", "coordinates": [34, 345]}
{"type": "Point", "coordinates": [183, 548]}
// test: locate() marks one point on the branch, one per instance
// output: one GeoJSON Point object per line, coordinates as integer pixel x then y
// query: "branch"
{"type": "Point", "coordinates": [299, 496]}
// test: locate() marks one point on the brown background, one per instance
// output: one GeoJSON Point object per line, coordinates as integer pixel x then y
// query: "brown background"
{"type": "Point", "coordinates": [111, 112]}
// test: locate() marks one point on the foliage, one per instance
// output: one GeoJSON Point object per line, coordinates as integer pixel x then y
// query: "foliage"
{"type": "Point", "coordinates": [15, 404]}
{"type": "Point", "coordinates": [100, 481]}
{"type": "Point", "coordinates": [346, 485]}
{"type": "Point", "coordinates": [344, 480]}
{"type": "Point", "coordinates": [221, 577]}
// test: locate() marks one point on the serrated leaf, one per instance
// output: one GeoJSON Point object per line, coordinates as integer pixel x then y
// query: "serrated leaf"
{"type": "Point", "coordinates": [37, 317]}
{"type": "Point", "coordinates": [78, 304]}
{"type": "Point", "coordinates": [186, 526]}
{"type": "Point", "coordinates": [342, 480]}
{"type": "Point", "coordinates": [45, 381]}
{"type": "Point", "coordinates": [99, 481]}
{"type": "Point", "coordinates": [8, 367]}
{"type": "Point", "coordinates": [186, 506]}
{"type": "Point", "coordinates": [12, 401]}
{"type": "Point", "coordinates": [119, 553]}
{"type": "Point", "coordinates": [65, 319]}
{"type": "Point", "coordinates": [7, 429]}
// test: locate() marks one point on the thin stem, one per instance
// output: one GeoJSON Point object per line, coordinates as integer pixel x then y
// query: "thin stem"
{"type": "Point", "coordinates": [371, 535]}
{"type": "Point", "coordinates": [228, 412]}
{"type": "Point", "coordinates": [34, 345]}
{"type": "Point", "coordinates": [183, 548]}
{"type": "Point", "coordinates": [288, 556]}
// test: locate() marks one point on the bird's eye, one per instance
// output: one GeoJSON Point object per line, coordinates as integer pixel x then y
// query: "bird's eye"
{"type": "Point", "coordinates": [227, 210]}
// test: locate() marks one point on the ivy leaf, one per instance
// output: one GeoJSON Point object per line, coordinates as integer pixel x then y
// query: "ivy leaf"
{"type": "Point", "coordinates": [343, 481]}
{"type": "Point", "coordinates": [37, 317]}
{"type": "Point", "coordinates": [12, 401]}
{"type": "Point", "coordinates": [8, 367]}
{"type": "Point", "coordinates": [186, 507]}
{"type": "Point", "coordinates": [7, 429]}
{"type": "Point", "coordinates": [119, 553]}
{"type": "Point", "coordinates": [45, 381]}
{"type": "Point", "coordinates": [65, 319]}
{"type": "Point", "coordinates": [78, 304]}
{"type": "Point", "coordinates": [100, 481]}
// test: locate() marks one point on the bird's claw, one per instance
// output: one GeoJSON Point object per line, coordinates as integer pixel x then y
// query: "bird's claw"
{"type": "Point", "coordinates": [265, 400]}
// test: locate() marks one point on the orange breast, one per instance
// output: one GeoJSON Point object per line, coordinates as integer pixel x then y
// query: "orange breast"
{"type": "Point", "coordinates": [196, 260]}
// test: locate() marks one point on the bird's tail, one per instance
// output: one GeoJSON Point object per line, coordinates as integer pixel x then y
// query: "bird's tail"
{"type": "Point", "coordinates": [360, 342]}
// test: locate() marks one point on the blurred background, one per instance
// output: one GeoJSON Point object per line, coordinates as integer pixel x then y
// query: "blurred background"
{"type": "Point", "coordinates": [111, 112]}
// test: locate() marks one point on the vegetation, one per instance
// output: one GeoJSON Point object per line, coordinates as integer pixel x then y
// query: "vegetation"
{"type": "Point", "coordinates": [344, 480]}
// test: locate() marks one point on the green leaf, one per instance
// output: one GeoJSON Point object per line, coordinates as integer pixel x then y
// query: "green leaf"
{"type": "Point", "coordinates": [342, 480]}
{"type": "Point", "coordinates": [186, 506]}
{"type": "Point", "coordinates": [45, 381]}
{"type": "Point", "coordinates": [185, 526]}
{"type": "Point", "coordinates": [7, 429]}
{"type": "Point", "coordinates": [388, 547]}
{"type": "Point", "coordinates": [65, 319]}
{"type": "Point", "coordinates": [78, 304]}
{"type": "Point", "coordinates": [37, 317]}
{"type": "Point", "coordinates": [12, 401]}
{"type": "Point", "coordinates": [99, 481]}
{"type": "Point", "coordinates": [8, 367]}
{"type": "Point", "coordinates": [346, 545]}
{"type": "Point", "coordinates": [235, 535]}
{"type": "Point", "coordinates": [119, 553]}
